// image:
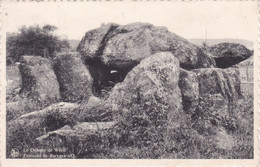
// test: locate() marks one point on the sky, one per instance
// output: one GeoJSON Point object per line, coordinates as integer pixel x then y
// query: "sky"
{"type": "Point", "coordinates": [233, 19]}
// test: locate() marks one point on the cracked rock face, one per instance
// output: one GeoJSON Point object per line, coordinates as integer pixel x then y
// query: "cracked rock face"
{"type": "Point", "coordinates": [209, 89]}
{"type": "Point", "coordinates": [223, 81]}
{"type": "Point", "coordinates": [91, 45]}
{"type": "Point", "coordinates": [219, 89]}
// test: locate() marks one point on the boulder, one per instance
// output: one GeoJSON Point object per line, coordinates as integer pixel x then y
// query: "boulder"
{"type": "Point", "coordinates": [189, 89]}
{"type": "Point", "coordinates": [229, 54]}
{"type": "Point", "coordinates": [13, 82]}
{"type": "Point", "coordinates": [120, 48]}
{"type": "Point", "coordinates": [28, 127]}
{"type": "Point", "coordinates": [149, 97]}
{"type": "Point", "coordinates": [134, 42]}
{"type": "Point", "coordinates": [211, 89]}
{"type": "Point", "coordinates": [223, 81]}
{"type": "Point", "coordinates": [127, 46]}
{"type": "Point", "coordinates": [73, 76]}
{"type": "Point", "coordinates": [123, 47]}
{"type": "Point", "coordinates": [39, 81]}
{"type": "Point", "coordinates": [219, 90]}
{"type": "Point", "coordinates": [92, 44]}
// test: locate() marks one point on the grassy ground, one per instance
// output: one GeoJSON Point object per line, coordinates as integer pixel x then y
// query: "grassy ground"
{"type": "Point", "coordinates": [196, 139]}
{"type": "Point", "coordinates": [231, 138]}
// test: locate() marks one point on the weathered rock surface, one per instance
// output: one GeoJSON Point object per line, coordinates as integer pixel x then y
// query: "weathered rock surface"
{"type": "Point", "coordinates": [214, 104]}
{"type": "Point", "coordinates": [13, 83]}
{"type": "Point", "coordinates": [189, 89]}
{"type": "Point", "coordinates": [125, 46]}
{"type": "Point", "coordinates": [100, 112]}
{"type": "Point", "coordinates": [137, 41]}
{"type": "Point", "coordinates": [209, 88]}
{"type": "Point", "coordinates": [223, 81]}
{"type": "Point", "coordinates": [73, 76]}
{"type": "Point", "coordinates": [229, 54]}
{"type": "Point", "coordinates": [39, 81]}
{"type": "Point", "coordinates": [209, 95]}
{"type": "Point", "coordinates": [149, 96]}
{"type": "Point", "coordinates": [92, 44]}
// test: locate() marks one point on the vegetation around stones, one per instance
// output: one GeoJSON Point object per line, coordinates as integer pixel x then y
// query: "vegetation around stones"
{"type": "Point", "coordinates": [172, 102]}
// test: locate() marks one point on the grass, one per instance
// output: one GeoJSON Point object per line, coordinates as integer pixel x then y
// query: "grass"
{"type": "Point", "coordinates": [193, 142]}
{"type": "Point", "coordinates": [26, 105]}
{"type": "Point", "coordinates": [136, 140]}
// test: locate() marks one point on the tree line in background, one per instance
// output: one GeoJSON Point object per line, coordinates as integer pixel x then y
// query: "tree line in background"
{"type": "Point", "coordinates": [34, 40]}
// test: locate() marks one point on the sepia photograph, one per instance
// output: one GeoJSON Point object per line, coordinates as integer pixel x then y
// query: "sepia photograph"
{"type": "Point", "coordinates": [130, 80]}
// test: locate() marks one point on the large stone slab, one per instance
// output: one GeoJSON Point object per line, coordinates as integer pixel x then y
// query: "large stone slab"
{"type": "Point", "coordinates": [223, 81]}
{"type": "Point", "coordinates": [123, 47]}
{"type": "Point", "coordinates": [92, 44]}
{"type": "Point", "coordinates": [148, 98]}
{"type": "Point", "coordinates": [119, 48]}
{"type": "Point", "coordinates": [39, 81]}
{"type": "Point", "coordinates": [73, 76]}
{"type": "Point", "coordinates": [229, 54]}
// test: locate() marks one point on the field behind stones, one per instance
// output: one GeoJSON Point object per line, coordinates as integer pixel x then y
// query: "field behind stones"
{"type": "Point", "coordinates": [132, 91]}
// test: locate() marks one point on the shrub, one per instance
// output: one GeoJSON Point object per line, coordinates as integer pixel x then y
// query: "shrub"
{"type": "Point", "coordinates": [33, 40]}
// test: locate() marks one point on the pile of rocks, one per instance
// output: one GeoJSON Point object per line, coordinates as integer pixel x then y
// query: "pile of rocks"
{"type": "Point", "coordinates": [154, 80]}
